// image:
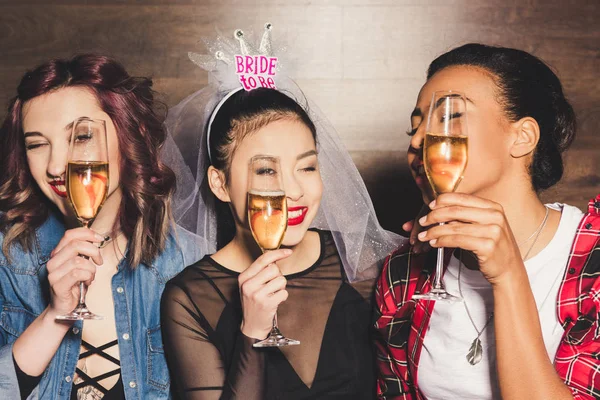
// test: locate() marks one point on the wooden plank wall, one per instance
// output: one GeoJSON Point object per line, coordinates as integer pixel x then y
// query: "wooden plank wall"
{"type": "Point", "coordinates": [362, 61]}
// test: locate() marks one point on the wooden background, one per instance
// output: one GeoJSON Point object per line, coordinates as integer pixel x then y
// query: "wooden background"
{"type": "Point", "coordinates": [361, 61]}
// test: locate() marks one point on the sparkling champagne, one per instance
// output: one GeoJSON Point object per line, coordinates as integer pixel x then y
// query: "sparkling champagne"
{"type": "Point", "coordinates": [267, 213]}
{"type": "Point", "coordinates": [445, 159]}
{"type": "Point", "coordinates": [87, 187]}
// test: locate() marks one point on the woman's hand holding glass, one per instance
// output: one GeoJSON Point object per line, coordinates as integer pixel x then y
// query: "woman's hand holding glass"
{"type": "Point", "coordinates": [262, 289]}
{"type": "Point", "coordinates": [476, 225]}
{"type": "Point", "coordinates": [87, 187]}
{"type": "Point", "coordinates": [268, 220]}
{"type": "Point", "coordinates": [66, 269]}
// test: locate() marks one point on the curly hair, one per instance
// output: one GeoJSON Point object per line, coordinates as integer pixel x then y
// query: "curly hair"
{"type": "Point", "coordinates": [144, 214]}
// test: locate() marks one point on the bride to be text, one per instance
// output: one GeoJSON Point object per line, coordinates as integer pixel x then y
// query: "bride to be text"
{"type": "Point", "coordinates": [256, 71]}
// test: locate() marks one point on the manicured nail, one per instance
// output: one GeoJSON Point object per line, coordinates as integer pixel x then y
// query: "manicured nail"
{"type": "Point", "coordinates": [412, 241]}
{"type": "Point", "coordinates": [433, 242]}
{"type": "Point", "coordinates": [432, 205]}
{"type": "Point", "coordinates": [99, 238]}
{"type": "Point", "coordinates": [287, 251]}
{"type": "Point", "coordinates": [422, 220]}
{"type": "Point", "coordinates": [422, 235]}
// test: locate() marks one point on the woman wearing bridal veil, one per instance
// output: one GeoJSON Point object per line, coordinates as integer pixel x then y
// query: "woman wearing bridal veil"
{"type": "Point", "coordinates": [321, 279]}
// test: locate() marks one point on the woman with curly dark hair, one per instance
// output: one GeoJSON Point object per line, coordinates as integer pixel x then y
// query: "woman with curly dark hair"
{"type": "Point", "coordinates": [132, 251]}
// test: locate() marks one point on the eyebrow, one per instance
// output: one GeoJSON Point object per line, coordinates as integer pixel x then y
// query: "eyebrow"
{"type": "Point", "coordinates": [417, 112]}
{"type": "Point", "coordinates": [441, 100]}
{"type": "Point", "coordinates": [33, 134]}
{"type": "Point", "coordinates": [306, 154]}
{"type": "Point", "coordinates": [67, 127]}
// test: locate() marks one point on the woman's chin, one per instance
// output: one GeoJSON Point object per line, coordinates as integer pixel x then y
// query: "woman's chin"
{"type": "Point", "coordinates": [293, 236]}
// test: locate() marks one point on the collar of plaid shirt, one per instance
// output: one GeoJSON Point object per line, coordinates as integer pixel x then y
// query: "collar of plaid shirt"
{"type": "Point", "coordinates": [402, 322]}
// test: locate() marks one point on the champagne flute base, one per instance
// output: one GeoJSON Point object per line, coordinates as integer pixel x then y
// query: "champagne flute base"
{"type": "Point", "coordinates": [80, 313]}
{"type": "Point", "coordinates": [438, 295]}
{"type": "Point", "coordinates": [276, 339]}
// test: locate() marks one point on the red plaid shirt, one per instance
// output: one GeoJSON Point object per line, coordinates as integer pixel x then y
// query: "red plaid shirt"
{"type": "Point", "coordinates": [402, 322]}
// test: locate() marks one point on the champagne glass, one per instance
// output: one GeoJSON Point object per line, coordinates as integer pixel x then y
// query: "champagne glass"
{"type": "Point", "coordinates": [268, 216]}
{"type": "Point", "coordinates": [445, 160]}
{"type": "Point", "coordinates": [87, 186]}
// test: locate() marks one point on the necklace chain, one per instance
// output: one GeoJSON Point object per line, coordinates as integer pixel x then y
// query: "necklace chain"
{"type": "Point", "coordinates": [476, 345]}
{"type": "Point", "coordinates": [537, 231]}
{"type": "Point", "coordinates": [479, 332]}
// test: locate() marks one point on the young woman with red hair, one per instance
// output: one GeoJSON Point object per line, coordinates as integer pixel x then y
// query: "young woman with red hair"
{"type": "Point", "coordinates": [120, 356]}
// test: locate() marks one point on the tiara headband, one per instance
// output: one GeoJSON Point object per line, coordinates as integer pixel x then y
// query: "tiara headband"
{"type": "Point", "coordinates": [253, 68]}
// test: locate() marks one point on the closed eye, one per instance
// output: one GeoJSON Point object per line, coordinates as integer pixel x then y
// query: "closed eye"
{"type": "Point", "coordinates": [83, 137]}
{"type": "Point", "coordinates": [34, 146]}
{"type": "Point", "coordinates": [265, 171]}
{"type": "Point", "coordinates": [452, 116]}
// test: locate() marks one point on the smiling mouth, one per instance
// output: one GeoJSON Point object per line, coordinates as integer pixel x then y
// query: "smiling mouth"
{"type": "Point", "coordinates": [296, 215]}
{"type": "Point", "coordinates": [59, 188]}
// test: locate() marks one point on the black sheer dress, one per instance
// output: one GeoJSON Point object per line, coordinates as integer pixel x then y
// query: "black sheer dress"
{"type": "Point", "coordinates": [209, 357]}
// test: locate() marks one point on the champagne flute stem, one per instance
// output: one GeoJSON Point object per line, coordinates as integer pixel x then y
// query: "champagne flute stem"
{"type": "Point", "coordinates": [274, 327]}
{"type": "Point", "coordinates": [81, 293]}
{"type": "Point", "coordinates": [439, 266]}
{"type": "Point", "coordinates": [437, 280]}
{"type": "Point", "coordinates": [85, 224]}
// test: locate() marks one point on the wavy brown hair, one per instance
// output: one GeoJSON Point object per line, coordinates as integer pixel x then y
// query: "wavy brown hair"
{"type": "Point", "coordinates": [147, 184]}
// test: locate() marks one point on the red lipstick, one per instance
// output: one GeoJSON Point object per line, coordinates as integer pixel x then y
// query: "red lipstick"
{"type": "Point", "coordinates": [59, 191]}
{"type": "Point", "coordinates": [296, 215]}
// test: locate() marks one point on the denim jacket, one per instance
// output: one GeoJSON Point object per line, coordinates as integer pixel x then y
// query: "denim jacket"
{"type": "Point", "coordinates": [24, 294]}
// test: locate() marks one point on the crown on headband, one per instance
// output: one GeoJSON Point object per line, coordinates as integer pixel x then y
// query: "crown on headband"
{"type": "Point", "coordinates": [254, 67]}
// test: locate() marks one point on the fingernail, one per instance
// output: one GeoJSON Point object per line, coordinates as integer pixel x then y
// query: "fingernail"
{"type": "Point", "coordinates": [99, 238]}
{"type": "Point", "coordinates": [433, 241]}
{"type": "Point", "coordinates": [422, 220]}
{"type": "Point", "coordinates": [287, 251]}
{"type": "Point", "coordinates": [412, 241]}
{"type": "Point", "coordinates": [422, 235]}
{"type": "Point", "coordinates": [432, 205]}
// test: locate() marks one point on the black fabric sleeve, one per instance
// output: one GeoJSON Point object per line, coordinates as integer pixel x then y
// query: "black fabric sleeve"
{"type": "Point", "coordinates": [197, 368]}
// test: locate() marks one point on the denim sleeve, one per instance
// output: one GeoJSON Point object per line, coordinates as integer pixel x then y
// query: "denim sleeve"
{"type": "Point", "coordinates": [9, 386]}
{"type": "Point", "coordinates": [9, 383]}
